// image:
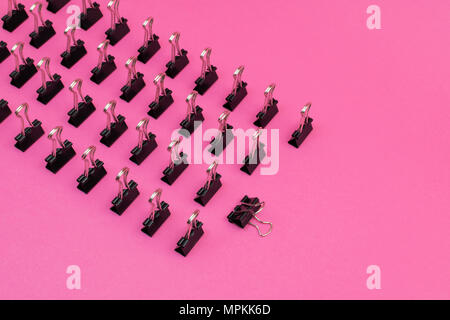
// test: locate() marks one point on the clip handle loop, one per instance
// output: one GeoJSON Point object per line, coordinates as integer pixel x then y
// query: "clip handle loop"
{"type": "Point", "coordinates": [18, 46]}
{"type": "Point", "coordinates": [223, 121]}
{"type": "Point", "coordinates": [24, 106]}
{"type": "Point", "coordinates": [88, 157]}
{"type": "Point", "coordinates": [55, 136]}
{"type": "Point", "coordinates": [174, 149]}
{"type": "Point", "coordinates": [159, 83]}
{"type": "Point", "coordinates": [122, 179]}
{"type": "Point", "coordinates": [110, 113]}
{"type": "Point", "coordinates": [237, 78]}
{"type": "Point", "coordinates": [190, 100]}
{"type": "Point", "coordinates": [155, 201]}
{"type": "Point", "coordinates": [44, 67]}
{"type": "Point", "coordinates": [268, 96]}
{"type": "Point", "coordinates": [305, 116]}
{"type": "Point", "coordinates": [131, 66]}
{"type": "Point", "coordinates": [211, 172]}
{"type": "Point", "coordinates": [103, 53]}
{"type": "Point", "coordinates": [192, 223]}
{"type": "Point", "coordinates": [113, 6]}
{"type": "Point", "coordinates": [174, 41]}
{"type": "Point", "coordinates": [261, 207]}
{"type": "Point", "coordinates": [12, 4]}
{"type": "Point", "coordinates": [255, 146]}
{"type": "Point", "coordinates": [37, 15]}
{"type": "Point", "coordinates": [70, 34]}
{"type": "Point", "coordinates": [206, 61]}
{"type": "Point", "coordinates": [143, 132]}
{"type": "Point", "coordinates": [85, 5]}
{"type": "Point", "coordinates": [75, 88]}
{"type": "Point", "coordinates": [148, 29]}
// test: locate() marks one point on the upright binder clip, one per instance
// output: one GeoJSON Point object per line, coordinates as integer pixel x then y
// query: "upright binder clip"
{"type": "Point", "coordinates": [146, 143]}
{"type": "Point", "coordinates": [4, 51]}
{"type": "Point", "coordinates": [208, 75]}
{"type": "Point", "coordinates": [81, 110]}
{"type": "Point", "coordinates": [151, 44]}
{"type": "Point", "coordinates": [75, 49]}
{"type": "Point", "coordinates": [41, 33]}
{"type": "Point", "coordinates": [256, 155]}
{"type": "Point", "coordinates": [119, 27]}
{"type": "Point", "coordinates": [114, 129]}
{"type": "Point", "coordinates": [224, 137]}
{"type": "Point", "coordinates": [304, 129]}
{"type": "Point", "coordinates": [51, 88]}
{"type": "Point", "coordinates": [179, 58]}
{"type": "Point", "coordinates": [178, 162]}
{"type": "Point", "coordinates": [194, 116]}
{"type": "Point", "coordinates": [193, 234]}
{"type": "Point", "coordinates": [59, 156]}
{"type": "Point", "coordinates": [105, 65]}
{"type": "Point", "coordinates": [270, 108]}
{"type": "Point", "coordinates": [239, 91]}
{"type": "Point", "coordinates": [135, 82]}
{"type": "Point", "coordinates": [15, 17]}
{"type": "Point", "coordinates": [128, 192]}
{"type": "Point", "coordinates": [211, 186]}
{"type": "Point", "coordinates": [89, 16]}
{"type": "Point", "coordinates": [55, 5]}
{"type": "Point", "coordinates": [94, 171]}
{"type": "Point", "coordinates": [163, 97]}
{"type": "Point", "coordinates": [5, 111]}
{"type": "Point", "coordinates": [159, 214]}
{"type": "Point", "coordinates": [29, 135]}
{"type": "Point", "coordinates": [23, 72]}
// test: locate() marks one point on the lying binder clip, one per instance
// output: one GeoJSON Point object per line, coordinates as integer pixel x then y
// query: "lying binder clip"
{"type": "Point", "coordinates": [256, 155]}
{"type": "Point", "coordinates": [49, 89]}
{"type": "Point", "coordinates": [163, 98]}
{"type": "Point", "coordinates": [59, 156]}
{"type": "Point", "coordinates": [135, 82]}
{"type": "Point", "coordinates": [194, 116]}
{"type": "Point", "coordinates": [23, 72]}
{"type": "Point", "coordinates": [115, 129]}
{"type": "Point", "coordinates": [4, 51]}
{"type": "Point", "coordinates": [55, 5]}
{"type": "Point", "coordinates": [89, 16]}
{"type": "Point", "coordinates": [5, 111]}
{"type": "Point", "coordinates": [159, 214]}
{"type": "Point", "coordinates": [29, 135]}
{"type": "Point", "coordinates": [304, 129]}
{"type": "Point", "coordinates": [81, 110]}
{"type": "Point", "coordinates": [224, 137]}
{"type": "Point", "coordinates": [239, 91]}
{"type": "Point", "coordinates": [128, 192]}
{"type": "Point", "coordinates": [193, 234]}
{"type": "Point", "coordinates": [178, 162]}
{"type": "Point", "coordinates": [247, 210]}
{"type": "Point", "coordinates": [94, 171]}
{"type": "Point", "coordinates": [119, 27]}
{"type": "Point", "coordinates": [15, 17]}
{"type": "Point", "coordinates": [151, 44]}
{"type": "Point", "coordinates": [270, 108]}
{"type": "Point", "coordinates": [212, 185]}
{"type": "Point", "coordinates": [208, 75]}
{"type": "Point", "coordinates": [105, 65]}
{"type": "Point", "coordinates": [146, 144]}
{"type": "Point", "coordinates": [42, 33]}
{"type": "Point", "coordinates": [179, 58]}
{"type": "Point", "coordinates": [75, 49]}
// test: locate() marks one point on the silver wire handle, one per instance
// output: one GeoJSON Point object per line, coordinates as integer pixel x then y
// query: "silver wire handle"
{"type": "Point", "coordinates": [268, 96]}
{"type": "Point", "coordinates": [305, 116]}
{"type": "Point", "coordinates": [261, 207]}
{"type": "Point", "coordinates": [103, 53]}
{"type": "Point", "coordinates": [44, 67]}
{"type": "Point", "coordinates": [37, 15]}
{"type": "Point", "coordinates": [85, 5]}
{"type": "Point", "coordinates": [159, 83]}
{"type": "Point", "coordinates": [143, 132]}
{"type": "Point", "coordinates": [110, 113]}
{"type": "Point", "coordinates": [18, 46]}
{"type": "Point", "coordinates": [70, 34]}
{"type": "Point", "coordinates": [174, 149]}
{"type": "Point", "coordinates": [211, 173]}
{"type": "Point", "coordinates": [155, 201]}
{"type": "Point", "coordinates": [206, 61]}
{"type": "Point", "coordinates": [113, 6]}
{"type": "Point", "coordinates": [89, 159]}
{"type": "Point", "coordinates": [24, 106]}
{"type": "Point", "coordinates": [122, 180]}
{"type": "Point", "coordinates": [55, 137]}
{"type": "Point", "coordinates": [11, 5]}
{"type": "Point", "coordinates": [190, 100]}
{"type": "Point", "coordinates": [148, 29]}
{"type": "Point", "coordinates": [192, 222]}
{"type": "Point", "coordinates": [223, 121]}
{"type": "Point", "coordinates": [174, 41]}
{"type": "Point", "coordinates": [237, 78]}
{"type": "Point", "coordinates": [255, 146]}
{"type": "Point", "coordinates": [75, 88]}
{"type": "Point", "coordinates": [131, 66]}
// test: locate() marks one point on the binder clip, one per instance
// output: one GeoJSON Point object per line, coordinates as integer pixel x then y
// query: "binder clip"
{"type": "Point", "coordinates": [55, 5]}
{"type": "Point", "coordinates": [246, 211]}
{"type": "Point", "coordinates": [256, 155]}
{"type": "Point", "coordinates": [163, 97]}
{"type": "Point", "coordinates": [4, 51]}
{"type": "Point", "coordinates": [119, 27]}
{"type": "Point", "coordinates": [208, 75]}
{"type": "Point", "coordinates": [194, 115]}
{"type": "Point", "coordinates": [42, 33]}
{"type": "Point", "coordinates": [224, 137]}
{"type": "Point", "coordinates": [89, 16]}
{"type": "Point", "coordinates": [15, 17]}
{"type": "Point", "coordinates": [193, 234]}
{"type": "Point", "coordinates": [49, 89]}
{"type": "Point", "coordinates": [75, 49]}
{"type": "Point", "coordinates": [128, 192]}
{"type": "Point", "coordinates": [81, 110]}
{"type": "Point", "coordinates": [115, 129]}
{"type": "Point", "coordinates": [23, 72]}
{"type": "Point", "coordinates": [178, 162]}
{"type": "Point", "coordinates": [270, 108]}
{"type": "Point", "coordinates": [59, 156]}
{"type": "Point", "coordinates": [304, 129]}
{"type": "Point", "coordinates": [159, 214]}
{"type": "Point", "coordinates": [239, 91]}
{"type": "Point", "coordinates": [29, 135]}
{"type": "Point", "coordinates": [5, 111]}
{"type": "Point", "coordinates": [94, 171]}
{"type": "Point", "coordinates": [211, 186]}
{"type": "Point", "coordinates": [179, 58]}
{"type": "Point", "coordinates": [105, 65]}
{"type": "Point", "coordinates": [146, 144]}
{"type": "Point", "coordinates": [135, 81]}
{"type": "Point", "coordinates": [151, 44]}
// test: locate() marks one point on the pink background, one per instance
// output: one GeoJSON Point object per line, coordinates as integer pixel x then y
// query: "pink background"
{"type": "Point", "coordinates": [370, 185]}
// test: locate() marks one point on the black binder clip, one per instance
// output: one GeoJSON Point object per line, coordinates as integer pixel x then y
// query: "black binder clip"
{"type": "Point", "coordinates": [151, 44]}
{"type": "Point", "coordinates": [5, 111]}
{"type": "Point", "coordinates": [29, 135]}
{"type": "Point", "coordinates": [193, 234]}
{"type": "Point", "coordinates": [55, 5]}
{"type": "Point", "coordinates": [208, 75]}
{"type": "Point", "coordinates": [146, 143]}
{"type": "Point", "coordinates": [89, 16]}
{"type": "Point", "coordinates": [115, 129]}
{"type": "Point", "coordinates": [179, 58]}
{"type": "Point", "coordinates": [178, 162]}
{"type": "Point", "coordinates": [59, 156]}
{"type": "Point", "coordinates": [23, 72]}
{"type": "Point", "coordinates": [75, 49]}
{"type": "Point", "coordinates": [94, 171]}
{"type": "Point", "coordinates": [224, 137]}
{"type": "Point", "coordinates": [81, 110]}
{"type": "Point", "coordinates": [49, 89]}
{"type": "Point", "coordinates": [159, 214]}
{"type": "Point", "coordinates": [256, 155]}
{"type": "Point", "coordinates": [105, 65]}
{"type": "Point", "coordinates": [212, 185]}
{"type": "Point", "coordinates": [163, 97]}
{"type": "Point", "coordinates": [304, 129]}
{"type": "Point", "coordinates": [194, 116]}
{"type": "Point", "coordinates": [270, 108]}
{"type": "Point", "coordinates": [4, 51]}
{"type": "Point", "coordinates": [15, 17]}
{"type": "Point", "coordinates": [128, 192]}
{"type": "Point", "coordinates": [119, 27]}
{"type": "Point", "coordinates": [239, 91]}
{"type": "Point", "coordinates": [246, 211]}
{"type": "Point", "coordinates": [135, 81]}
{"type": "Point", "coordinates": [42, 33]}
